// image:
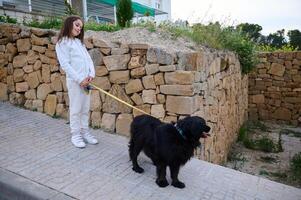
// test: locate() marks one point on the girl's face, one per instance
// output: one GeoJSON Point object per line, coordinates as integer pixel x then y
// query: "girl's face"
{"type": "Point", "coordinates": [77, 27]}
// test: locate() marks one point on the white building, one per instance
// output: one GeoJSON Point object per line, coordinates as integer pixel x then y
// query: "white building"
{"type": "Point", "coordinates": [99, 10]}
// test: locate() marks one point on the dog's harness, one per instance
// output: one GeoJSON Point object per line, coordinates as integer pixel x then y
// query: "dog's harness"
{"type": "Point", "coordinates": [180, 131]}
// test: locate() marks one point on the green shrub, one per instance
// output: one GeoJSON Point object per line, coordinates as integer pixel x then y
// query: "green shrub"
{"type": "Point", "coordinates": [269, 48]}
{"type": "Point", "coordinates": [101, 27]}
{"type": "Point", "coordinates": [295, 165]}
{"type": "Point", "coordinates": [47, 23]}
{"type": "Point", "coordinates": [7, 19]}
{"type": "Point", "coordinates": [124, 12]}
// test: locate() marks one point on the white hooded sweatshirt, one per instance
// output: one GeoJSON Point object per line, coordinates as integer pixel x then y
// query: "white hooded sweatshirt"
{"type": "Point", "coordinates": [74, 59]}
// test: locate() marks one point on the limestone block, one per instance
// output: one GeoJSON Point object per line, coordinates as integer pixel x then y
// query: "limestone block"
{"type": "Point", "coordinates": [39, 31]}
{"type": "Point", "coordinates": [123, 49]}
{"type": "Point", "coordinates": [102, 82]}
{"type": "Point", "coordinates": [161, 98]}
{"type": "Point", "coordinates": [10, 83]}
{"type": "Point", "coordinates": [138, 72]}
{"type": "Point", "coordinates": [31, 94]}
{"type": "Point", "coordinates": [133, 86]}
{"type": "Point", "coordinates": [96, 119]}
{"type": "Point", "coordinates": [161, 56]}
{"type": "Point", "coordinates": [60, 109]}
{"type": "Point", "coordinates": [50, 104]}
{"type": "Point", "coordinates": [38, 49]}
{"type": "Point", "coordinates": [28, 68]}
{"type": "Point", "coordinates": [181, 90]}
{"type": "Point", "coordinates": [123, 124]}
{"type": "Point", "coordinates": [149, 82]}
{"type": "Point", "coordinates": [37, 65]}
{"type": "Point", "coordinates": [88, 43]}
{"type": "Point", "coordinates": [43, 90]}
{"type": "Point", "coordinates": [96, 56]}
{"type": "Point", "coordinates": [258, 99]}
{"type": "Point", "coordinates": [50, 54]}
{"type": "Point", "coordinates": [19, 61]}
{"type": "Point", "coordinates": [101, 70]}
{"type": "Point", "coordinates": [2, 48]}
{"type": "Point", "coordinates": [151, 68]}
{"type": "Point", "coordinates": [276, 69]}
{"type": "Point", "coordinates": [100, 43]}
{"type": "Point", "coordinates": [56, 83]}
{"type": "Point", "coordinates": [119, 77]}
{"type": "Point", "coordinates": [137, 61]}
{"type": "Point", "coordinates": [18, 75]}
{"type": "Point", "coordinates": [282, 114]}
{"type": "Point", "coordinates": [158, 111]}
{"type": "Point", "coordinates": [54, 68]}
{"type": "Point", "coordinates": [179, 77]}
{"type": "Point", "coordinates": [66, 98]}
{"type": "Point", "coordinates": [169, 119]}
{"type": "Point", "coordinates": [16, 98]}
{"type": "Point", "coordinates": [39, 41]}
{"type": "Point", "coordinates": [11, 49]}
{"type": "Point", "coordinates": [28, 104]}
{"type": "Point", "coordinates": [3, 92]}
{"type": "Point", "coordinates": [108, 122]}
{"type": "Point", "coordinates": [190, 61]}
{"type": "Point", "coordinates": [116, 62]}
{"type": "Point", "coordinates": [23, 44]}
{"type": "Point", "coordinates": [159, 79]}
{"type": "Point", "coordinates": [181, 104]}
{"type": "Point", "coordinates": [95, 101]}
{"type": "Point", "coordinates": [33, 80]}
{"type": "Point", "coordinates": [167, 68]}
{"type": "Point", "coordinates": [60, 97]}
{"type": "Point", "coordinates": [149, 96]}
{"type": "Point", "coordinates": [3, 60]}
{"type": "Point", "coordinates": [46, 73]}
{"type": "Point", "coordinates": [113, 106]}
{"type": "Point", "coordinates": [38, 105]}
{"type": "Point", "coordinates": [22, 87]}
{"type": "Point", "coordinates": [137, 99]}
{"type": "Point", "coordinates": [145, 107]}
{"type": "Point", "coordinates": [63, 81]}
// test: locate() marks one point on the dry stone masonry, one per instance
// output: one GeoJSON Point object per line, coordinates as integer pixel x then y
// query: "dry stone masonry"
{"type": "Point", "coordinates": [275, 88]}
{"type": "Point", "coordinates": [168, 84]}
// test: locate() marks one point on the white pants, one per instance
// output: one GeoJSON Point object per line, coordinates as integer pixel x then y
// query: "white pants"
{"type": "Point", "coordinates": [79, 105]}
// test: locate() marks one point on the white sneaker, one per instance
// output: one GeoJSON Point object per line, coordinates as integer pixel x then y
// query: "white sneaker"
{"type": "Point", "coordinates": [90, 138]}
{"type": "Point", "coordinates": [77, 140]}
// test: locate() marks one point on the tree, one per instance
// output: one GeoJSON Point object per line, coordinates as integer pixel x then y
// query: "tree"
{"type": "Point", "coordinates": [276, 39]}
{"type": "Point", "coordinates": [68, 9]}
{"type": "Point", "coordinates": [124, 12]}
{"type": "Point", "coordinates": [252, 31]}
{"type": "Point", "coordinates": [295, 38]}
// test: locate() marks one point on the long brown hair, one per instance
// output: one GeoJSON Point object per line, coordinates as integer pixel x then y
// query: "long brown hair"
{"type": "Point", "coordinates": [66, 30]}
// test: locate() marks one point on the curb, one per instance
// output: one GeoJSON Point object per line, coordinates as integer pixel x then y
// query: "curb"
{"type": "Point", "coordinates": [16, 187]}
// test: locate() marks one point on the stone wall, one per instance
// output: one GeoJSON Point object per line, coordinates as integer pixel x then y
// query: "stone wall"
{"type": "Point", "coordinates": [275, 88]}
{"type": "Point", "coordinates": [167, 84]}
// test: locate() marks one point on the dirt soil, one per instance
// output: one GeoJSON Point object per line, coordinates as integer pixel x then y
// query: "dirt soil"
{"type": "Point", "coordinates": [273, 166]}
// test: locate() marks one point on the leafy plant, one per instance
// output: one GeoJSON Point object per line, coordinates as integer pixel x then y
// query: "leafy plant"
{"type": "Point", "coordinates": [124, 12]}
{"type": "Point", "coordinates": [7, 19]}
{"type": "Point", "coordinates": [101, 27]}
{"type": "Point", "coordinates": [47, 23]}
{"type": "Point", "coordinates": [69, 10]}
{"type": "Point", "coordinates": [295, 166]}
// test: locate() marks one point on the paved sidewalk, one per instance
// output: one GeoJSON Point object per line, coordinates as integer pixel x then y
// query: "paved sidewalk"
{"type": "Point", "coordinates": [37, 161]}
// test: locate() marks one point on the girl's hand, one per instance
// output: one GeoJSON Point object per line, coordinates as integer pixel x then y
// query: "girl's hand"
{"type": "Point", "coordinates": [86, 81]}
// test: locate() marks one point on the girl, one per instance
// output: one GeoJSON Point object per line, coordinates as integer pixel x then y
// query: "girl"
{"type": "Point", "coordinates": [78, 66]}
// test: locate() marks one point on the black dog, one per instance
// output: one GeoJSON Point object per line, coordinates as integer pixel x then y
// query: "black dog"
{"type": "Point", "coordinates": [166, 144]}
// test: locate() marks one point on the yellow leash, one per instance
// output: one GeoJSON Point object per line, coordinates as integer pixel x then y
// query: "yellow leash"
{"type": "Point", "coordinates": [121, 101]}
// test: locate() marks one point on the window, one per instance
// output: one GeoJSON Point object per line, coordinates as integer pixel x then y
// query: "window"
{"type": "Point", "coordinates": [158, 4]}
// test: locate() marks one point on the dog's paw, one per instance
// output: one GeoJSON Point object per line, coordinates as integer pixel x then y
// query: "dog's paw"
{"type": "Point", "coordinates": [138, 169]}
{"type": "Point", "coordinates": [178, 184]}
{"type": "Point", "coordinates": [162, 183]}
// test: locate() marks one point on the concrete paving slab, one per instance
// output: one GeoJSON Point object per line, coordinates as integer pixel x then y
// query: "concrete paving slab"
{"type": "Point", "coordinates": [38, 161]}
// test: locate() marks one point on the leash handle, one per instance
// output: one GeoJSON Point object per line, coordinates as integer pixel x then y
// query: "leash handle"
{"type": "Point", "coordinates": [121, 101]}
